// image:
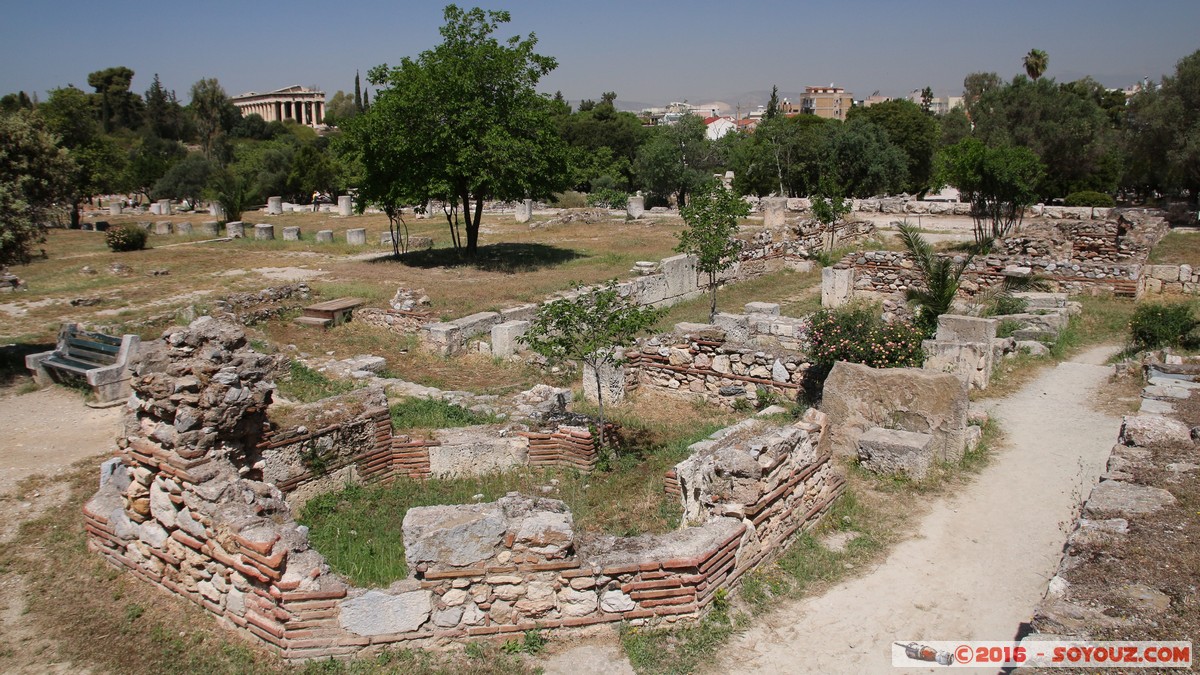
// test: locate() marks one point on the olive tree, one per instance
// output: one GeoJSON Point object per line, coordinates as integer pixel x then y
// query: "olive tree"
{"type": "Point", "coordinates": [589, 327]}
{"type": "Point", "coordinates": [712, 222]}
{"type": "Point", "coordinates": [34, 174]}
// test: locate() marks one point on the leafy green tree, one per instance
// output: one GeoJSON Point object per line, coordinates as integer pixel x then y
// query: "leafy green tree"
{"type": "Point", "coordinates": [340, 108]}
{"type": "Point", "coordinates": [975, 85]}
{"type": "Point", "coordinates": [1163, 134]}
{"type": "Point", "coordinates": [164, 116]}
{"type": "Point", "coordinates": [186, 179]}
{"type": "Point", "coordinates": [98, 161]}
{"type": "Point", "coordinates": [35, 174]}
{"type": "Point", "coordinates": [11, 103]}
{"type": "Point", "coordinates": [312, 170]}
{"type": "Point", "coordinates": [149, 161]}
{"type": "Point", "coordinates": [463, 123]}
{"type": "Point", "coordinates": [772, 104]}
{"type": "Point", "coordinates": [999, 182]}
{"type": "Point", "coordinates": [676, 159]}
{"type": "Point", "coordinates": [941, 277]}
{"type": "Point", "coordinates": [213, 113]}
{"type": "Point", "coordinates": [266, 166]}
{"type": "Point", "coordinates": [783, 156]}
{"type": "Point", "coordinates": [118, 106]}
{"type": "Point", "coordinates": [911, 130]}
{"type": "Point", "coordinates": [1071, 135]}
{"type": "Point", "coordinates": [954, 127]}
{"type": "Point", "coordinates": [603, 143]}
{"type": "Point", "coordinates": [232, 191]}
{"type": "Point", "coordinates": [1035, 62]}
{"type": "Point", "coordinates": [927, 100]}
{"type": "Point", "coordinates": [861, 161]}
{"type": "Point", "coordinates": [589, 328]}
{"type": "Point", "coordinates": [710, 236]}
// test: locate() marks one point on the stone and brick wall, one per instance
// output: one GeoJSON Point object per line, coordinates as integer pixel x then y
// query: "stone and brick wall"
{"type": "Point", "coordinates": [184, 508]}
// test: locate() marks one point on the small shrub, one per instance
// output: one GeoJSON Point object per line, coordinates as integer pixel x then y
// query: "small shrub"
{"type": "Point", "coordinates": [1007, 327]}
{"type": "Point", "coordinates": [1007, 304]}
{"type": "Point", "coordinates": [858, 334]}
{"type": "Point", "coordinates": [125, 238]}
{"type": "Point", "coordinates": [569, 200]}
{"type": "Point", "coordinates": [608, 198]}
{"type": "Point", "coordinates": [1089, 198]}
{"type": "Point", "coordinates": [1159, 325]}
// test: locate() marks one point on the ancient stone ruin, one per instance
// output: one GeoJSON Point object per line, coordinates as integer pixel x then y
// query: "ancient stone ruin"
{"type": "Point", "coordinates": [198, 502]}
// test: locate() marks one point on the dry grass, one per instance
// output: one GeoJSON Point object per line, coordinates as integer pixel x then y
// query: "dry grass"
{"type": "Point", "coordinates": [1178, 247]}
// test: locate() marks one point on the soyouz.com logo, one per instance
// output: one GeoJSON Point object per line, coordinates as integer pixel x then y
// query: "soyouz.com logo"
{"type": "Point", "coordinates": [1047, 654]}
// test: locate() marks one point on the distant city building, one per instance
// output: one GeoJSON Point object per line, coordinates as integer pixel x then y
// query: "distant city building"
{"type": "Point", "coordinates": [874, 99]}
{"type": "Point", "coordinates": [828, 102]}
{"type": "Point", "coordinates": [718, 127]}
{"type": "Point", "coordinates": [939, 105]}
{"type": "Point", "coordinates": [305, 106]}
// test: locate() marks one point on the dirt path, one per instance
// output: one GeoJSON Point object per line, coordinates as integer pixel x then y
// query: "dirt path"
{"type": "Point", "coordinates": [979, 561]}
{"type": "Point", "coordinates": [44, 433]}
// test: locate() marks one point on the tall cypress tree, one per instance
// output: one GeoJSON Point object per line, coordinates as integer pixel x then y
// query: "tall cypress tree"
{"type": "Point", "coordinates": [358, 99]}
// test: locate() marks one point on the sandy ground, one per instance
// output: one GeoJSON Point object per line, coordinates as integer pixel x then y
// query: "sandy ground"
{"type": "Point", "coordinates": [980, 560]}
{"type": "Point", "coordinates": [44, 433]}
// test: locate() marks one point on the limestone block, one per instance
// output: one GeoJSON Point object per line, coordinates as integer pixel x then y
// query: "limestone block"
{"type": "Point", "coordinates": [235, 229]}
{"type": "Point", "coordinates": [1148, 431]}
{"type": "Point", "coordinates": [680, 274]}
{"type": "Point", "coordinates": [274, 206]}
{"type": "Point", "coordinates": [356, 236]}
{"type": "Point", "coordinates": [324, 236]}
{"type": "Point", "coordinates": [611, 385]}
{"type": "Point", "coordinates": [779, 372]}
{"type": "Point", "coordinates": [477, 324]}
{"type": "Point", "coordinates": [380, 613]}
{"type": "Point", "coordinates": [736, 327]}
{"type": "Point", "coordinates": [524, 211]}
{"type": "Point", "coordinates": [615, 601]}
{"type": "Point", "coordinates": [452, 536]}
{"type": "Point", "coordinates": [264, 232]}
{"type": "Point", "coordinates": [525, 312]}
{"type": "Point", "coordinates": [774, 211]}
{"type": "Point", "coordinates": [955, 328]}
{"type": "Point", "coordinates": [636, 206]}
{"type": "Point", "coordinates": [505, 338]}
{"type": "Point", "coordinates": [857, 397]}
{"type": "Point", "coordinates": [164, 207]}
{"type": "Point", "coordinates": [577, 603]}
{"type": "Point", "coordinates": [970, 361]}
{"type": "Point", "coordinates": [183, 229]}
{"type": "Point", "coordinates": [345, 205]}
{"type": "Point", "coordinates": [1038, 300]}
{"type": "Point", "coordinates": [291, 233]}
{"type": "Point", "coordinates": [895, 452]}
{"type": "Point", "coordinates": [768, 308]}
{"type": "Point", "coordinates": [1163, 272]}
{"type": "Point", "coordinates": [210, 228]}
{"type": "Point", "coordinates": [1114, 496]}
{"type": "Point", "coordinates": [473, 451]}
{"type": "Point", "coordinates": [443, 338]}
{"type": "Point", "coordinates": [837, 286]}
{"type": "Point", "coordinates": [162, 227]}
{"type": "Point", "coordinates": [651, 289]}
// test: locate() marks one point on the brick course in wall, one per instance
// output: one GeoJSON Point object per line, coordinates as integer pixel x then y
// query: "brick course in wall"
{"type": "Point", "coordinates": [184, 513]}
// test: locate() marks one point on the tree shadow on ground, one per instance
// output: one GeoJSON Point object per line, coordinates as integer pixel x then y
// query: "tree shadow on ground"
{"type": "Point", "coordinates": [507, 258]}
{"type": "Point", "coordinates": [12, 360]}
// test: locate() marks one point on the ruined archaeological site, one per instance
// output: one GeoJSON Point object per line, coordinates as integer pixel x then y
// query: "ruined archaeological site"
{"type": "Point", "coordinates": [307, 451]}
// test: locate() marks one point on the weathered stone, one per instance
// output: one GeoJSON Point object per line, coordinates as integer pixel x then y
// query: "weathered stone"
{"type": "Point", "coordinates": [456, 536]}
{"type": "Point", "coordinates": [768, 308]}
{"type": "Point", "coordinates": [895, 452]}
{"type": "Point", "coordinates": [505, 338]}
{"type": "Point", "coordinates": [291, 233]}
{"type": "Point", "coordinates": [379, 613]}
{"type": "Point", "coordinates": [720, 364]}
{"type": "Point", "coordinates": [611, 384]}
{"type": "Point", "coordinates": [274, 206]}
{"type": "Point", "coordinates": [857, 397]}
{"type": "Point", "coordinates": [1114, 496]}
{"type": "Point", "coordinates": [837, 286]}
{"type": "Point", "coordinates": [736, 327]}
{"type": "Point", "coordinates": [548, 533]}
{"type": "Point", "coordinates": [636, 206]}
{"type": "Point", "coordinates": [449, 617]}
{"type": "Point", "coordinates": [356, 236]}
{"type": "Point", "coordinates": [324, 236]}
{"type": "Point", "coordinates": [1150, 431]}
{"type": "Point", "coordinates": [235, 229]}
{"type": "Point", "coordinates": [615, 601]}
{"type": "Point", "coordinates": [454, 597]}
{"type": "Point", "coordinates": [779, 372]}
{"type": "Point", "coordinates": [956, 328]}
{"type": "Point", "coordinates": [577, 603]}
{"type": "Point", "coordinates": [345, 205]}
{"type": "Point", "coordinates": [264, 231]}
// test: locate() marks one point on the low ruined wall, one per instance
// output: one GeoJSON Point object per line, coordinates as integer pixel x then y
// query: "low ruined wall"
{"type": "Point", "coordinates": [187, 512]}
{"type": "Point", "coordinates": [1170, 279]}
{"type": "Point", "coordinates": [700, 360]}
{"type": "Point", "coordinates": [568, 447]}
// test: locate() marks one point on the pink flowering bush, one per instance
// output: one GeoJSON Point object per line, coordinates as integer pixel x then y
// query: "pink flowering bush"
{"type": "Point", "coordinates": [858, 334]}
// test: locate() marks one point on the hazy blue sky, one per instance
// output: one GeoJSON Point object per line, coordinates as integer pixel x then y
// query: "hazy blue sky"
{"type": "Point", "coordinates": [650, 52]}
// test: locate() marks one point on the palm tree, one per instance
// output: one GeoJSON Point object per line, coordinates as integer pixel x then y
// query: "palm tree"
{"type": "Point", "coordinates": [941, 277]}
{"type": "Point", "coordinates": [1036, 62]}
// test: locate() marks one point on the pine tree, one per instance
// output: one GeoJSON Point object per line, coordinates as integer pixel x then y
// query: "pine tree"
{"type": "Point", "coordinates": [358, 99]}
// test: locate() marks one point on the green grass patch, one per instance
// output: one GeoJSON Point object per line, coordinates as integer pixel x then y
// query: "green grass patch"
{"type": "Point", "coordinates": [798, 293]}
{"type": "Point", "coordinates": [422, 413]}
{"type": "Point", "coordinates": [1177, 248]}
{"type": "Point", "coordinates": [305, 385]}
